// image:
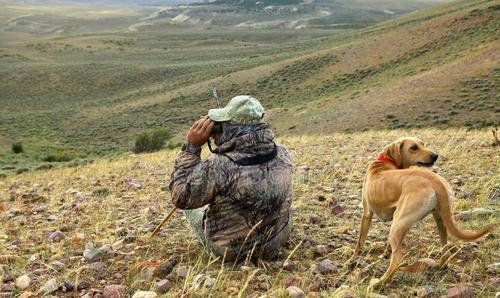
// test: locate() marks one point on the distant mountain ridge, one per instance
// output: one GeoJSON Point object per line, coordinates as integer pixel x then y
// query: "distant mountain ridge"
{"type": "Point", "coordinates": [288, 14]}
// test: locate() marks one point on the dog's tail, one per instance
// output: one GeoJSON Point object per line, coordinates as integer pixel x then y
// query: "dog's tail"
{"type": "Point", "coordinates": [444, 208]}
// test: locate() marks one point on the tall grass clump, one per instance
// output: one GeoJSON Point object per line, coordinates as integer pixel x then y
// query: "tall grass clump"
{"type": "Point", "coordinates": [151, 141]}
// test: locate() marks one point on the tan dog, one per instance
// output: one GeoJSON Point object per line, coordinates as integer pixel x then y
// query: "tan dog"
{"type": "Point", "coordinates": [394, 192]}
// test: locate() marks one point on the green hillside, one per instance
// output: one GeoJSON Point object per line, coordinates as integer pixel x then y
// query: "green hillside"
{"type": "Point", "coordinates": [74, 97]}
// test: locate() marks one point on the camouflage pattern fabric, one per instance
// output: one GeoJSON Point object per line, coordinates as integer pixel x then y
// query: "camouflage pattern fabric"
{"type": "Point", "coordinates": [247, 207]}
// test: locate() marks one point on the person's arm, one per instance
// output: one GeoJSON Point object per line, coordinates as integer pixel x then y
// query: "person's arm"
{"type": "Point", "coordinates": [192, 184]}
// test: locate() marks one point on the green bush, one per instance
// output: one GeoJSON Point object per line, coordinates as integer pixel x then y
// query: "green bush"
{"type": "Point", "coordinates": [17, 148]}
{"type": "Point", "coordinates": [150, 142]}
{"type": "Point", "coordinates": [22, 170]}
{"type": "Point", "coordinates": [57, 158]}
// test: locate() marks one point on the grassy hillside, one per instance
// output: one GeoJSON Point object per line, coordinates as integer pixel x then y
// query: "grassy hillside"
{"type": "Point", "coordinates": [88, 95]}
{"type": "Point", "coordinates": [93, 204]}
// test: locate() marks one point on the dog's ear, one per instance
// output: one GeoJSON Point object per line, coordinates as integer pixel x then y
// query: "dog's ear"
{"type": "Point", "coordinates": [393, 151]}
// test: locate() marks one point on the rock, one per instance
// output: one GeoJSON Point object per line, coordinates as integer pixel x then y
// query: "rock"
{"type": "Point", "coordinates": [56, 236]}
{"type": "Point", "coordinates": [465, 196]}
{"type": "Point", "coordinates": [210, 282]}
{"type": "Point", "coordinates": [121, 231]}
{"type": "Point", "coordinates": [422, 265]}
{"type": "Point", "coordinates": [68, 286]}
{"type": "Point", "coordinates": [494, 268]}
{"type": "Point", "coordinates": [167, 267]}
{"type": "Point", "coordinates": [291, 281]}
{"type": "Point", "coordinates": [295, 292]}
{"type": "Point", "coordinates": [337, 209]}
{"type": "Point", "coordinates": [460, 291]}
{"type": "Point", "coordinates": [324, 267]}
{"type": "Point", "coordinates": [58, 265]}
{"type": "Point", "coordinates": [49, 287]}
{"type": "Point", "coordinates": [198, 280]}
{"type": "Point", "coordinates": [289, 266]}
{"type": "Point", "coordinates": [475, 212]}
{"type": "Point", "coordinates": [320, 250]}
{"type": "Point", "coordinates": [114, 291]}
{"type": "Point", "coordinates": [314, 218]}
{"type": "Point", "coordinates": [303, 168]}
{"type": "Point", "coordinates": [144, 294]}
{"type": "Point", "coordinates": [164, 286]}
{"type": "Point", "coordinates": [425, 291]}
{"type": "Point", "coordinates": [23, 282]}
{"type": "Point", "coordinates": [27, 294]}
{"type": "Point", "coordinates": [51, 218]}
{"type": "Point", "coordinates": [117, 245]}
{"type": "Point", "coordinates": [182, 272]}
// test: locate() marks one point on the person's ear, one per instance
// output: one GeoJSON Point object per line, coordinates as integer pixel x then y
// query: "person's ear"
{"type": "Point", "coordinates": [393, 151]}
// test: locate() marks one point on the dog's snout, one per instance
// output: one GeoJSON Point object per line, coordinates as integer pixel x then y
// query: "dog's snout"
{"type": "Point", "coordinates": [434, 157]}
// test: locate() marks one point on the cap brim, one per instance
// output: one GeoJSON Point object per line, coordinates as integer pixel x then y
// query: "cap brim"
{"type": "Point", "coordinates": [218, 115]}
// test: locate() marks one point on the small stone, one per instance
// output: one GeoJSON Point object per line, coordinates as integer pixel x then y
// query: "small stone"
{"type": "Point", "coordinates": [425, 291]}
{"type": "Point", "coordinates": [494, 268]}
{"type": "Point", "coordinates": [460, 291]}
{"type": "Point", "coordinates": [49, 287]}
{"type": "Point", "coordinates": [198, 280]}
{"type": "Point", "coordinates": [295, 292]}
{"type": "Point", "coordinates": [56, 236]}
{"type": "Point", "coordinates": [320, 250]}
{"type": "Point", "coordinates": [117, 245]}
{"type": "Point", "coordinates": [113, 291]}
{"type": "Point", "coordinates": [121, 231]}
{"type": "Point", "coordinates": [92, 254]}
{"type": "Point", "coordinates": [27, 294]}
{"type": "Point", "coordinates": [144, 294]}
{"type": "Point", "coordinates": [465, 196]}
{"type": "Point", "coordinates": [58, 265]}
{"type": "Point", "coordinates": [167, 267]}
{"type": "Point", "coordinates": [23, 282]}
{"type": "Point", "coordinates": [51, 218]}
{"type": "Point", "coordinates": [314, 218]}
{"type": "Point", "coordinates": [182, 272]}
{"type": "Point", "coordinates": [68, 286]}
{"type": "Point", "coordinates": [164, 286]}
{"type": "Point", "coordinates": [324, 267]}
{"type": "Point", "coordinates": [210, 282]}
{"type": "Point", "coordinates": [289, 266]}
{"type": "Point", "coordinates": [291, 281]}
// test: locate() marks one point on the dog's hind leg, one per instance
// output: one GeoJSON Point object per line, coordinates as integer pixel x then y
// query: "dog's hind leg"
{"type": "Point", "coordinates": [443, 234]}
{"type": "Point", "coordinates": [366, 222]}
{"type": "Point", "coordinates": [409, 212]}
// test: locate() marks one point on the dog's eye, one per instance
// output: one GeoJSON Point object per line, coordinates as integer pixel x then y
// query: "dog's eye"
{"type": "Point", "coordinates": [414, 148]}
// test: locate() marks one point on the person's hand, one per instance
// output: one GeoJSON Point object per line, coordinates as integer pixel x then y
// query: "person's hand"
{"type": "Point", "coordinates": [199, 133]}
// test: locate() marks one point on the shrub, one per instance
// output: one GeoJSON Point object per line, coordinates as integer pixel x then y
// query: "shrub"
{"type": "Point", "coordinates": [17, 148]}
{"type": "Point", "coordinates": [101, 192]}
{"type": "Point", "coordinates": [150, 142]}
{"type": "Point", "coordinates": [22, 170]}
{"type": "Point", "coordinates": [57, 158]}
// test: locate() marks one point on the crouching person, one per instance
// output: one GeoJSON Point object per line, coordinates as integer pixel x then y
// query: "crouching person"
{"type": "Point", "coordinates": [237, 201]}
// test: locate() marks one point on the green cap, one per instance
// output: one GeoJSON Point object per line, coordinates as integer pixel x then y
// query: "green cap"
{"type": "Point", "coordinates": [241, 109]}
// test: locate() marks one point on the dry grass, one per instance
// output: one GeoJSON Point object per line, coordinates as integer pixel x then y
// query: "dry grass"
{"type": "Point", "coordinates": [127, 191]}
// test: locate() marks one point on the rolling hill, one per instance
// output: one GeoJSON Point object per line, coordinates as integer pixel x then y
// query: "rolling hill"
{"type": "Point", "coordinates": [89, 94]}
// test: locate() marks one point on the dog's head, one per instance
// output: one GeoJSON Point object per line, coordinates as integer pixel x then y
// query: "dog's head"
{"type": "Point", "coordinates": [409, 151]}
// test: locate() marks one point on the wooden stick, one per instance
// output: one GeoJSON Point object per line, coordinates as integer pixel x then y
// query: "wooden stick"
{"type": "Point", "coordinates": [169, 215]}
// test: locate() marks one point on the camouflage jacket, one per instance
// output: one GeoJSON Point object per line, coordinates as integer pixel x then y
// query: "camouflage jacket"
{"type": "Point", "coordinates": [248, 206]}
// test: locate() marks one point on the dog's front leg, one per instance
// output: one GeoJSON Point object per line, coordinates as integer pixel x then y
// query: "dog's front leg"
{"type": "Point", "coordinates": [365, 227]}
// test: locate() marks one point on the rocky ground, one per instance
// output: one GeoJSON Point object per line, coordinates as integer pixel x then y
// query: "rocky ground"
{"type": "Point", "coordinates": [85, 231]}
